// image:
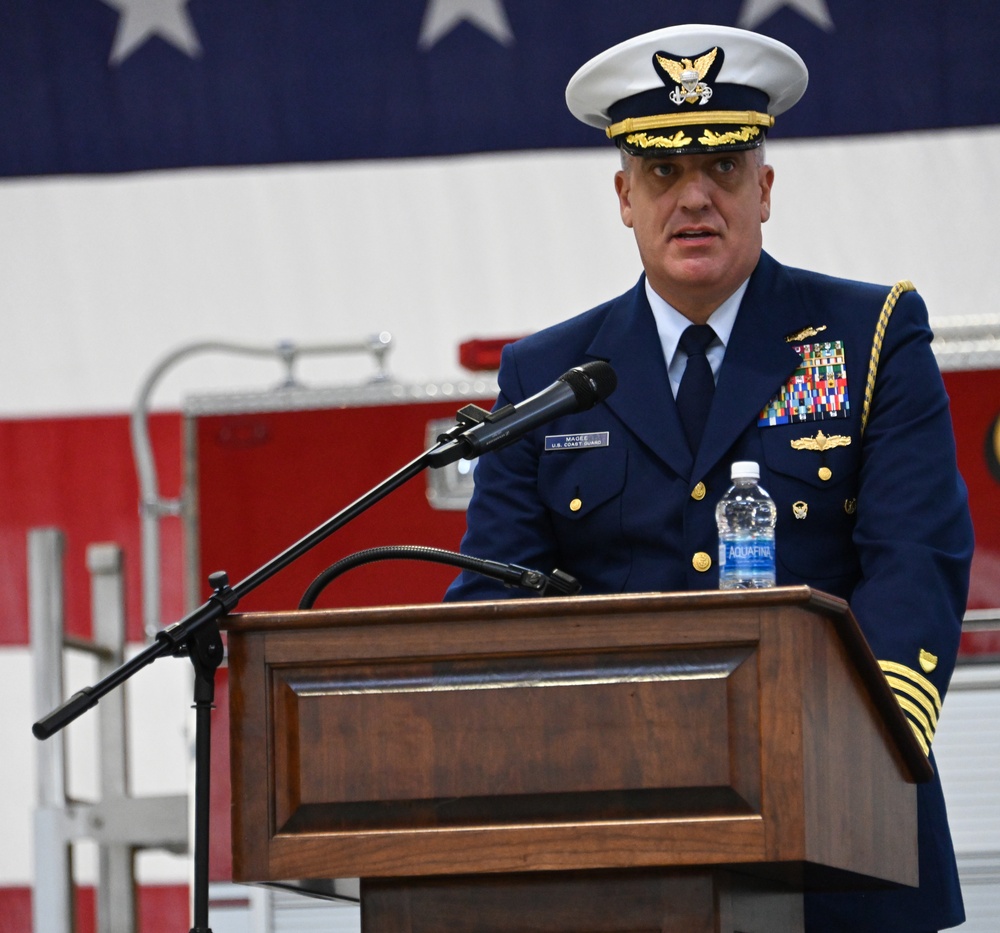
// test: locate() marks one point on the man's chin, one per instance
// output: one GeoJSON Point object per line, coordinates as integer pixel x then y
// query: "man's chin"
{"type": "Point", "coordinates": [694, 271]}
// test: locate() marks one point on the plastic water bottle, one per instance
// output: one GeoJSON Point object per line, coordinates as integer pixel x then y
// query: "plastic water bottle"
{"type": "Point", "coordinates": [746, 516]}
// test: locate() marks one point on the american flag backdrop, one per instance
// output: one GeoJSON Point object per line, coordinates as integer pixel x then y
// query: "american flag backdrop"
{"type": "Point", "coordinates": [123, 85]}
{"type": "Point", "coordinates": [172, 170]}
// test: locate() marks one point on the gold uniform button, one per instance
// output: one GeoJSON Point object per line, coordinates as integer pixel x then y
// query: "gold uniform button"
{"type": "Point", "coordinates": [575, 505]}
{"type": "Point", "coordinates": [698, 492]}
{"type": "Point", "coordinates": [701, 562]}
{"type": "Point", "coordinates": [825, 473]}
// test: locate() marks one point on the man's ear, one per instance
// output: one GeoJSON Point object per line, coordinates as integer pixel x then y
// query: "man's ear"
{"type": "Point", "coordinates": [623, 187]}
{"type": "Point", "coordinates": [766, 178]}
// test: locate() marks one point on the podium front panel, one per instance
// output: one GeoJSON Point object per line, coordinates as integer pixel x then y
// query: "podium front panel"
{"type": "Point", "coordinates": [548, 735]}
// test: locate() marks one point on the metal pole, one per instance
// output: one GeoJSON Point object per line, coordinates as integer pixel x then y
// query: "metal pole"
{"type": "Point", "coordinates": [52, 892]}
{"type": "Point", "coordinates": [116, 900]}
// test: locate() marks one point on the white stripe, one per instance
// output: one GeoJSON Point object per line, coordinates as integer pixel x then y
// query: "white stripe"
{"type": "Point", "coordinates": [102, 276]}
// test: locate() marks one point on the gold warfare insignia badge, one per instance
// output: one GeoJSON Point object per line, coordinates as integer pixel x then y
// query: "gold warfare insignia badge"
{"type": "Point", "coordinates": [689, 76]}
{"type": "Point", "coordinates": [805, 334]}
{"type": "Point", "coordinates": [821, 441]}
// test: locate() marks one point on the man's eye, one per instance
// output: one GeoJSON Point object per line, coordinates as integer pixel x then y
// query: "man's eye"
{"type": "Point", "coordinates": [727, 165]}
{"type": "Point", "coordinates": [663, 169]}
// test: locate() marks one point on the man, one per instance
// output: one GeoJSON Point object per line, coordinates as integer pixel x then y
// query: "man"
{"type": "Point", "coordinates": [829, 385]}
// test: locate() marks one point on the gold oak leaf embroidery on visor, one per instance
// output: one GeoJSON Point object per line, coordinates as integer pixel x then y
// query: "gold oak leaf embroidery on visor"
{"type": "Point", "coordinates": [677, 141]}
{"type": "Point", "coordinates": [742, 135]}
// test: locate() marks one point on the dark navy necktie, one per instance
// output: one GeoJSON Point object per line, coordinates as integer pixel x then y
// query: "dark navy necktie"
{"type": "Point", "coordinates": [694, 397]}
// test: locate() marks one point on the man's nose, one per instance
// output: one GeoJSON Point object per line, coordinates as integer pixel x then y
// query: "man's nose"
{"type": "Point", "coordinates": [695, 192]}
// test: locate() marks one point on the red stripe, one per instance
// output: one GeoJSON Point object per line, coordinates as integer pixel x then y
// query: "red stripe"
{"type": "Point", "coordinates": [77, 474]}
{"type": "Point", "coordinates": [160, 907]}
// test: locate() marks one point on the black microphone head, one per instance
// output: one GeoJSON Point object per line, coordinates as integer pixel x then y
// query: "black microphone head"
{"type": "Point", "coordinates": [591, 383]}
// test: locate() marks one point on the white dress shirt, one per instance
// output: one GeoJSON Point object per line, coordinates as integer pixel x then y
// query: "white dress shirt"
{"type": "Point", "coordinates": [670, 324]}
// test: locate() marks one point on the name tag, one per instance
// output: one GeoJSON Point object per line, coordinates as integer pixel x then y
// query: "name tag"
{"type": "Point", "coordinates": [576, 441]}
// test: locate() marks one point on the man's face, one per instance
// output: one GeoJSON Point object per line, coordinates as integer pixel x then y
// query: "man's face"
{"type": "Point", "coordinates": [696, 220]}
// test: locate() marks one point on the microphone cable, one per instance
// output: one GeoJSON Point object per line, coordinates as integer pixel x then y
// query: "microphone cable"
{"type": "Point", "coordinates": [555, 584]}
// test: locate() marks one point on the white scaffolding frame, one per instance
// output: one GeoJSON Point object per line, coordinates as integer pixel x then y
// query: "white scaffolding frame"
{"type": "Point", "coordinates": [118, 823]}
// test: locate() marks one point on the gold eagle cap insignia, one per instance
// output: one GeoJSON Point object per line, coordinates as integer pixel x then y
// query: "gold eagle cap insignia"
{"type": "Point", "coordinates": [676, 69]}
{"type": "Point", "coordinates": [821, 442]}
{"type": "Point", "coordinates": [804, 333]}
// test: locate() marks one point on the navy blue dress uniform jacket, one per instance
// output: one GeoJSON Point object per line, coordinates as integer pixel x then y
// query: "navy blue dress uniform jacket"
{"type": "Point", "coordinates": [882, 521]}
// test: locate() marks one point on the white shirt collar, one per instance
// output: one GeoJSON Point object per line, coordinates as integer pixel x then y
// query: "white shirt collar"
{"type": "Point", "coordinates": [670, 324]}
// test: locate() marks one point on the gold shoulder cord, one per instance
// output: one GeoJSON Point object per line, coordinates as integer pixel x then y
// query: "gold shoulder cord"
{"type": "Point", "coordinates": [883, 321]}
{"type": "Point", "coordinates": [917, 697]}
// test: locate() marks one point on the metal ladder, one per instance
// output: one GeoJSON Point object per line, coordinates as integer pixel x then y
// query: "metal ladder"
{"type": "Point", "coordinates": [118, 823]}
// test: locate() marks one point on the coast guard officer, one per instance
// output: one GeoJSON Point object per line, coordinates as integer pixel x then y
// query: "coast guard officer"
{"type": "Point", "coordinates": [723, 354]}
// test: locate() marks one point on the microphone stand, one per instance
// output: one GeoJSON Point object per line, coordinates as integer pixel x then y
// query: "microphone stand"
{"type": "Point", "coordinates": [197, 636]}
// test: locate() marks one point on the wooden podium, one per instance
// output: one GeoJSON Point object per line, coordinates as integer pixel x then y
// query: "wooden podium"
{"type": "Point", "coordinates": [679, 762]}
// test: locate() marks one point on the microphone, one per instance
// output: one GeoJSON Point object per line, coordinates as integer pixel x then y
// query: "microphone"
{"type": "Point", "coordinates": [577, 390]}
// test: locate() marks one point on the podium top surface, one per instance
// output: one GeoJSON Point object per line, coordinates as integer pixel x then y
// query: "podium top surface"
{"type": "Point", "coordinates": [530, 607]}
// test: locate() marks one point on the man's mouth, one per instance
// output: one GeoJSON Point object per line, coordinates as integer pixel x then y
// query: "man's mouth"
{"type": "Point", "coordinates": [694, 234]}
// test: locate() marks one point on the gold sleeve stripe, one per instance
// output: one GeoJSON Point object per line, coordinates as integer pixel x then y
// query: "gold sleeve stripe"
{"type": "Point", "coordinates": [921, 741]}
{"type": "Point", "coordinates": [883, 322]}
{"type": "Point", "coordinates": [891, 667]}
{"type": "Point", "coordinates": [901, 686]}
{"type": "Point", "coordinates": [691, 118]}
{"type": "Point", "coordinates": [917, 716]}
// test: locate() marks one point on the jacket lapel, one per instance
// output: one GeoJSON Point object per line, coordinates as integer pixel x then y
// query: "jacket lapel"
{"type": "Point", "coordinates": [629, 341]}
{"type": "Point", "coordinates": [758, 360]}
